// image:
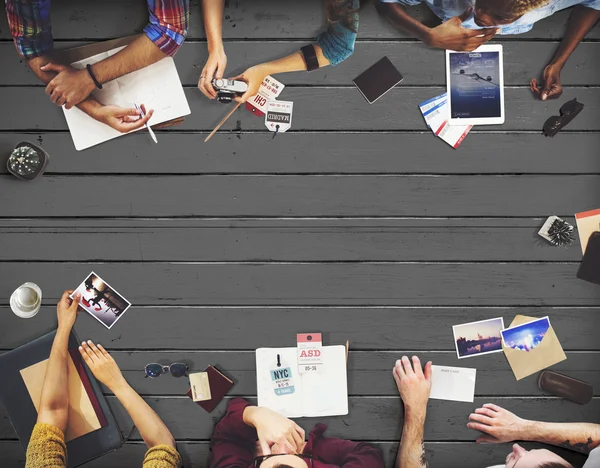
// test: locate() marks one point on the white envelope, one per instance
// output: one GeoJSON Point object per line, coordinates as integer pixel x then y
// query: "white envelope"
{"type": "Point", "coordinates": [453, 383]}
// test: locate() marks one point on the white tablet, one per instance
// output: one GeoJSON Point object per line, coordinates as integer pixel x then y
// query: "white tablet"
{"type": "Point", "coordinates": [475, 85]}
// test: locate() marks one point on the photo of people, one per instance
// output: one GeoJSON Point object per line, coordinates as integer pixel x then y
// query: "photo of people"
{"type": "Point", "coordinates": [527, 336]}
{"type": "Point", "coordinates": [475, 338]}
{"type": "Point", "coordinates": [102, 302]}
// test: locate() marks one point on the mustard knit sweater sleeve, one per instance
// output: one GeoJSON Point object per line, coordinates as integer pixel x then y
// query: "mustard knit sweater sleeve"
{"type": "Point", "coordinates": [46, 448]}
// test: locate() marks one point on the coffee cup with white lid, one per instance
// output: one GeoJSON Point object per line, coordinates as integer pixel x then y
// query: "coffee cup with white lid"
{"type": "Point", "coordinates": [26, 300]}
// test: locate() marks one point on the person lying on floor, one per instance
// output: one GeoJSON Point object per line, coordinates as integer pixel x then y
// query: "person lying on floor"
{"type": "Point", "coordinates": [462, 20]}
{"type": "Point", "coordinates": [332, 47]}
{"type": "Point", "coordinates": [253, 436]}
{"type": "Point", "coordinates": [47, 446]}
{"type": "Point", "coordinates": [498, 424]}
{"type": "Point", "coordinates": [29, 23]}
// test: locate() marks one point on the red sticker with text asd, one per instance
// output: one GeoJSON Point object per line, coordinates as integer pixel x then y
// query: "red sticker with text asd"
{"type": "Point", "coordinates": [310, 352]}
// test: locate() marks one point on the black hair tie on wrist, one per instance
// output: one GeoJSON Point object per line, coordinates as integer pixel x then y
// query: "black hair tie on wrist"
{"type": "Point", "coordinates": [310, 57]}
{"type": "Point", "coordinates": [96, 82]}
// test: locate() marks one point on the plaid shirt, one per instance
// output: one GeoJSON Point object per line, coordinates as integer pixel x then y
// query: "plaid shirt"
{"type": "Point", "coordinates": [29, 22]}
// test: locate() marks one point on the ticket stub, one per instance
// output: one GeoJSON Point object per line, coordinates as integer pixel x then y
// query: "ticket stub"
{"type": "Point", "coordinates": [435, 112]}
{"type": "Point", "coordinates": [310, 352]}
{"type": "Point", "coordinates": [200, 386]}
{"type": "Point", "coordinates": [282, 378]}
{"type": "Point", "coordinates": [454, 134]}
{"type": "Point", "coordinates": [279, 116]}
{"type": "Point", "coordinates": [269, 89]}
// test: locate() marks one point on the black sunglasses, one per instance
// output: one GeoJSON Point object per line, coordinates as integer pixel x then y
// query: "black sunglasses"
{"type": "Point", "coordinates": [568, 112]}
{"type": "Point", "coordinates": [307, 458]}
{"type": "Point", "coordinates": [177, 369]}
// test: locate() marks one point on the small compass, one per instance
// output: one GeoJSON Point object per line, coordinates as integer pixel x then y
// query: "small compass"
{"type": "Point", "coordinates": [27, 161]}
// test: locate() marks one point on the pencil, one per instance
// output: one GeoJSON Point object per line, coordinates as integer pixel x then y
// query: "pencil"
{"type": "Point", "coordinates": [222, 122]}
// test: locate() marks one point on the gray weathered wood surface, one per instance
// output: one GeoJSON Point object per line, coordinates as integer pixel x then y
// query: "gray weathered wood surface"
{"type": "Point", "coordinates": [357, 223]}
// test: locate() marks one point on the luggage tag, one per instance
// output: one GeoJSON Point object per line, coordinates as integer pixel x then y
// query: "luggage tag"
{"type": "Point", "coordinates": [269, 89]}
{"type": "Point", "coordinates": [278, 118]}
{"type": "Point", "coordinates": [310, 352]}
{"type": "Point", "coordinates": [282, 378]}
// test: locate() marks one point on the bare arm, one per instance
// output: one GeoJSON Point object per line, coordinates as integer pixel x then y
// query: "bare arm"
{"type": "Point", "coordinates": [212, 11]}
{"type": "Point", "coordinates": [255, 75]}
{"type": "Point", "coordinates": [414, 386]}
{"type": "Point", "coordinates": [500, 425]}
{"type": "Point", "coordinates": [396, 14]}
{"type": "Point", "coordinates": [581, 21]}
{"type": "Point", "coordinates": [105, 369]}
{"type": "Point", "coordinates": [54, 402]}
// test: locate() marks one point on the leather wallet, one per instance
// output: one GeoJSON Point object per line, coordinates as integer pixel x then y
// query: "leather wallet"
{"type": "Point", "coordinates": [565, 387]}
{"type": "Point", "coordinates": [589, 269]}
{"type": "Point", "coordinates": [219, 387]}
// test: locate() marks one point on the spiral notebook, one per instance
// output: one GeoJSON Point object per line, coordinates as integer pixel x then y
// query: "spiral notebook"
{"type": "Point", "coordinates": [283, 389]}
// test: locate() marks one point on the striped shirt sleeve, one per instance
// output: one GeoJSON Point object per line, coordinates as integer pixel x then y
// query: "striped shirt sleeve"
{"type": "Point", "coordinates": [168, 25]}
{"type": "Point", "coordinates": [29, 23]}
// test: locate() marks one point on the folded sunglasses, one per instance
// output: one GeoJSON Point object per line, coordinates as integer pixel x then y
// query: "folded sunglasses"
{"type": "Point", "coordinates": [568, 112]}
{"type": "Point", "coordinates": [177, 369]}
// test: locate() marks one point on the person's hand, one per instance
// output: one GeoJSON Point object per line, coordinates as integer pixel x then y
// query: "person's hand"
{"type": "Point", "coordinates": [214, 68]}
{"type": "Point", "coordinates": [121, 119]}
{"type": "Point", "coordinates": [272, 427]}
{"type": "Point", "coordinates": [102, 365]}
{"type": "Point", "coordinates": [413, 383]}
{"type": "Point", "coordinates": [452, 35]}
{"type": "Point", "coordinates": [66, 310]}
{"type": "Point", "coordinates": [498, 424]}
{"type": "Point", "coordinates": [551, 87]}
{"type": "Point", "coordinates": [70, 86]}
{"type": "Point", "coordinates": [254, 76]}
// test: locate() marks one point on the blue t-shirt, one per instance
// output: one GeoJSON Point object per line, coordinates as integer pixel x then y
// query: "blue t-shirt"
{"type": "Point", "coordinates": [447, 9]}
{"type": "Point", "coordinates": [338, 41]}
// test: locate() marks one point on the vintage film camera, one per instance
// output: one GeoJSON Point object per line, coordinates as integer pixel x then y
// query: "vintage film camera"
{"type": "Point", "coordinates": [228, 89]}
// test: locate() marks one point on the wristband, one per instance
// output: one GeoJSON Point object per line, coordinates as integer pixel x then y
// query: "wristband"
{"type": "Point", "coordinates": [310, 57]}
{"type": "Point", "coordinates": [96, 82]}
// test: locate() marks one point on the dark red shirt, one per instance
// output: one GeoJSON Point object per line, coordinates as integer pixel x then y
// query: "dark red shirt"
{"type": "Point", "coordinates": [234, 445]}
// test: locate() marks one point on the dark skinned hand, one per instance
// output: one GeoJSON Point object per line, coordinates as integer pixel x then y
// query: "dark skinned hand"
{"type": "Point", "coordinates": [550, 87]}
{"type": "Point", "coordinates": [452, 35]}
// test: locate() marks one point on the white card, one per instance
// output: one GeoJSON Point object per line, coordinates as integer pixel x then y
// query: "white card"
{"type": "Point", "coordinates": [278, 118]}
{"type": "Point", "coordinates": [453, 383]}
{"type": "Point", "coordinates": [453, 134]}
{"type": "Point", "coordinates": [269, 89]}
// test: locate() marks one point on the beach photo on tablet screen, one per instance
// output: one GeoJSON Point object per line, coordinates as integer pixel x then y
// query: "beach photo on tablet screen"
{"type": "Point", "coordinates": [476, 338]}
{"type": "Point", "coordinates": [475, 86]}
{"type": "Point", "coordinates": [101, 301]}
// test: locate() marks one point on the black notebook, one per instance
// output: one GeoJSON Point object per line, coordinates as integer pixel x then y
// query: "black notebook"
{"type": "Point", "coordinates": [21, 371]}
{"type": "Point", "coordinates": [378, 80]}
{"type": "Point", "coordinates": [589, 269]}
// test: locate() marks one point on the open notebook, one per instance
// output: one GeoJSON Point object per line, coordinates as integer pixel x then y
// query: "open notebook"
{"type": "Point", "coordinates": [283, 389]}
{"type": "Point", "coordinates": [157, 86]}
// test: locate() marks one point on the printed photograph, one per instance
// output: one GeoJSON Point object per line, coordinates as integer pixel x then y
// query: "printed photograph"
{"type": "Point", "coordinates": [527, 336]}
{"type": "Point", "coordinates": [476, 338]}
{"type": "Point", "coordinates": [100, 300]}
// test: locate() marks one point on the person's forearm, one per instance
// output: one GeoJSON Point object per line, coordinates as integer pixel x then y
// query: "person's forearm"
{"type": "Point", "coordinates": [399, 17]}
{"type": "Point", "coordinates": [581, 21]}
{"type": "Point", "coordinates": [55, 390]}
{"type": "Point", "coordinates": [581, 437]}
{"type": "Point", "coordinates": [411, 453]}
{"type": "Point", "coordinates": [151, 427]}
{"type": "Point", "coordinates": [212, 11]}
{"type": "Point", "coordinates": [139, 54]}
{"type": "Point", "coordinates": [293, 62]}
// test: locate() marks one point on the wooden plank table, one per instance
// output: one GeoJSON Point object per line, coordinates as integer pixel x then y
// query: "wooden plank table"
{"type": "Point", "coordinates": [357, 223]}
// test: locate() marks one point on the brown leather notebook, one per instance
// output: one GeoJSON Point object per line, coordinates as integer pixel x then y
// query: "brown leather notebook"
{"type": "Point", "coordinates": [219, 387]}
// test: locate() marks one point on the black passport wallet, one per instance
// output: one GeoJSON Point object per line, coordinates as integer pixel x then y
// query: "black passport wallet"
{"type": "Point", "coordinates": [378, 80]}
{"type": "Point", "coordinates": [589, 269]}
{"type": "Point", "coordinates": [23, 415]}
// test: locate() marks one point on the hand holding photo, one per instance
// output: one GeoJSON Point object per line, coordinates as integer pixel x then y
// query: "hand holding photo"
{"type": "Point", "coordinates": [527, 336]}
{"type": "Point", "coordinates": [475, 338]}
{"type": "Point", "coordinates": [101, 301]}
